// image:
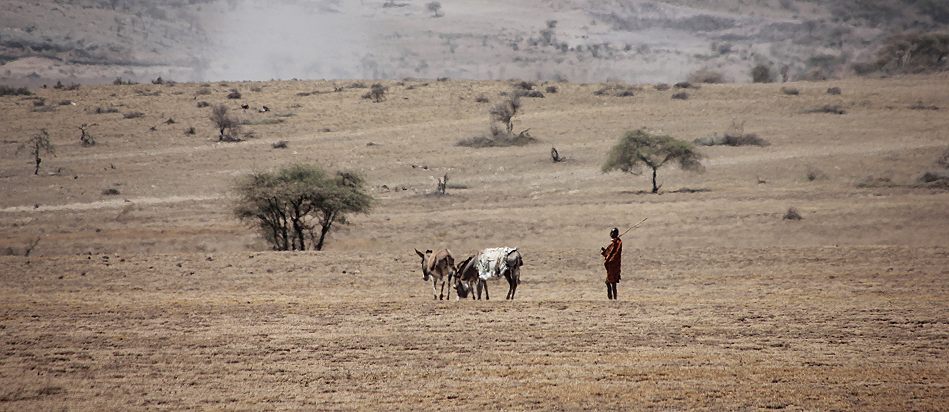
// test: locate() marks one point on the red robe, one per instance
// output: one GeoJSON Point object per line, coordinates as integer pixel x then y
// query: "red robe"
{"type": "Point", "coordinates": [613, 260]}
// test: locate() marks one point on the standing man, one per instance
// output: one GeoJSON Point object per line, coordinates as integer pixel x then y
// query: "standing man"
{"type": "Point", "coordinates": [613, 261]}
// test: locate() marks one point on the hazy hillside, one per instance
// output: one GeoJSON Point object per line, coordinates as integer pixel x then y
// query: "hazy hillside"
{"type": "Point", "coordinates": [42, 41]}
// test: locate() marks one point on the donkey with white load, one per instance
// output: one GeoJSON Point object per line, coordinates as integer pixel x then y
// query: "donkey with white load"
{"type": "Point", "coordinates": [438, 265]}
{"type": "Point", "coordinates": [474, 272]}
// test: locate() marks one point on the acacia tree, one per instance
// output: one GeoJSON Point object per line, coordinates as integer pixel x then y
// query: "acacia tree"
{"type": "Point", "coordinates": [224, 122]}
{"type": "Point", "coordinates": [505, 111]}
{"type": "Point", "coordinates": [434, 7]}
{"type": "Point", "coordinates": [37, 145]}
{"type": "Point", "coordinates": [640, 148]}
{"type": "Point", "coordinates": [300, 203]}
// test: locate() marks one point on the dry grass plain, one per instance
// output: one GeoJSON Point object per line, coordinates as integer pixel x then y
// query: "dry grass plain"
{"type": "Point", "coordinates": [158, 298]}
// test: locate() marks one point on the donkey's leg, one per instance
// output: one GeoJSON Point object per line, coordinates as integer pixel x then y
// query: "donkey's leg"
{"type": "Point", "coordinates": [434, 288]}
{"type": "Point", "coordinates": [441, 291]}
{"type": "Point", "coordinates": [487, 296]}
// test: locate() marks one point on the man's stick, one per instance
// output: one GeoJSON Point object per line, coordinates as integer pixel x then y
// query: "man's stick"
{"type": "Point", "coordinates": [634, 226]}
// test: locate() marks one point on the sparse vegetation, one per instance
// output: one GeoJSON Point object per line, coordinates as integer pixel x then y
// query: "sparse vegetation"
{"type": "Point", "coordinates": [640, 148]}
{"type": "Point", "coordinates": [814, 173]}
{"type": "Point", "coordinates": [943, 159]}
{"type": "Point", "coordinates": [204, 91]}
{"type": "Point", "coordinates": [680, 96]}
{"type": "Point", "coordinates": [296, 207]}
{"type": "Point", "coordinates": [111, 192]}
{"type": "Point", "coordinates": [482, 99]}
{"type": "Point", "coordinates": [552, 89]}
{"type": "Point", "coordinates": [104, 110]}
{"type": "Point", "coordinates": [919, 105]}
{"type": "Point", "coordinates": [190, 131]}
{"type": "Point", "coordinates": [790, 91]}
{"type": "Point", "coordinates": [499, 138]}
{"type": "Point", "coordinates": [119, 82]}
{"type": "Point", "coordinates": [234, 94]}
{"type": "Point", "coordinates": [913, 53]}
{"type": "Point", "coordinates": [202, 104]}
{"type": "Point", "coordinates": [505, 111]}
{"type": "Point", "coordinates": [792, 214]}
{"type": "Point", "coordinates": [228, 127]}
{"type": "Point", "coordinates": [685, 85]}
{"type": "Point", "coordinates": [662, 87]}
{"type": "Point", "coordinates": [280, 144]}
{"type": "Point", "coordinates": [834, 91]}
{"type": "Point", "coordinates": [37, 145]}
{"type": "Point", "coordinates": [133, 115]}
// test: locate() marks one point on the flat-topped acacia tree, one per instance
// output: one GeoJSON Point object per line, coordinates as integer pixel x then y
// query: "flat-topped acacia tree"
{"type": "Point", "coordinates": [299, 204]}
{"type": "Point", "coordinates": [639, 148]}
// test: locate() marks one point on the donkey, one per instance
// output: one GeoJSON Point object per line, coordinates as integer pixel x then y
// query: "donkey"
{"type": "Point", "coordinates": [438, 266]}
{"type": "Point", "coordinates": [473, 272]}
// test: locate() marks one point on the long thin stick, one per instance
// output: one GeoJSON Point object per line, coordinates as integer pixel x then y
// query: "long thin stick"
{"type": "Point", "coordinates": [634, 226]}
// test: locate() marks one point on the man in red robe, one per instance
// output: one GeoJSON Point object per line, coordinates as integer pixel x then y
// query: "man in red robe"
{"type": "Point", "coordinates": [613, 261]}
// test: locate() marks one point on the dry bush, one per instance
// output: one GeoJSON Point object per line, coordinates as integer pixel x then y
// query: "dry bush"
{"type": "Point", "coordinates": [706, 76]}
{"type": "Point", "coordinates": [234, 94]}
{"type": "Point", "coordinates": [685, 85]}
{"type": "Point", "coordinates": [827, 108]}
{"type": "Point", "coordinates": [792, 214]}
{"type": "Point", "coordinates": [190, 131]}
{"type": "Point", "coordinates": [498, 138]}
{"type": "Point", "coordinates": [133, 115]}
{"type": "Point", "coordinates": [482, 99]}
{"type": "Point", "coordinates": [919, 105]}
{"type": "Point", "coordinates": [65, 102]}
{"type": "Point", "coordinates": [875, 182]}
{"type": "Point", "coordinates": [280, 144]}
{"type": "Point", "coordinates": [814, 173]}
{"type": "Point", "coordinates": [762, 73]}
{"type": "Point", "coordinates": [119, 82]}
{"type": "Point", "coordinates": [662, 87]}
{"type": "Point", "coordinates": [834, 91]}
{"type": "Point", "coordinates": [551, 89]}
{"type": "Point", "coordinates": [204, 91]}
{"type": "Point", "coordinates": [376, 93]}
{"type": "Point", "coordinates": [680, 96]}
{"type": "Point", "coordinates": [203, 104]}
{"type": "Point", "coordinates": [939, 180]}
{"type": "Point", "coordinates": [529, 93]}
{"type": "Point", "coordinates": [616, 90]}
{"type": "Point", "coordinates": [14, 91]}
{"type": "Point", "coordinates": [111, 192]}
{"type": "Point", "coordinates": [228, 126]}
{"type": "Point", "coordinates": [358, 85]}
{"type": "Point", "coordinates": [734, 136]}
{"type": "Point", "coordinates": [790, 91]}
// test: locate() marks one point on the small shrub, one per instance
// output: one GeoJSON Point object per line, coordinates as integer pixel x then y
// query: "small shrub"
{"type": "Point", "coordinates": [203, 104]}
{"type": "Point", "coordinates": [204, 91]}
{"type": "Point", "coordinates": [39, 102]}
{"type": "Point", "coordinates": [234, 94]}
{"type": "Point", "coordinates": [280, 144]}
{"type": "Point", "coordinates": [815, 174]}
{"type": "Point", "coordinates": [762, 74]}
{"type": "Point", "coordinates": [258, 122]}
{"type": "Point", "coordinates": [256, 89]}
{"type": "Point", "coordinates": [482, 99]}
{"type": "Point", "coordinates": [834, 91]}
{"type": "Point", "coordinates": [66, 102]}
{"type": "Point", "coordinates": [790, 91]}
{"type": "Point", "coordinates": [111, 192]}
{"type": "Point", "coordinates": [662, 87]}
{"type": "Point", "coordinates": [827, 108]}
{"type": "Point", "coordinates": [14, 91]}
{"type": "Point", "coordinates": [133, 115]}
{"type": "Point", "coordinates": [873, 182]}
{"type": "Point", "coordinates": [685, 85]}
{"type": "Point", "coordinates": [104, 110]}
{"type": "Point", "coordinates": [792, 214]}
{"type": "Point", "coordinates": [357, 85]}
{"type": "Point", "coordinates": [935, 180]}
{"type": "Point", "coordinates": [551, 89]}
{"type": "Point", "coordinates": [190, 131]}
{"type": "Point", "coordinates": [680, 96]}
{"type": "Point", "coordinates": [119, 82]}
{"type": "Point", "coordinates": [706, 76]}
{"type": "Point", "coordinates": [228, 127]}
{"type": "Point", "coordinates": [735, 136]}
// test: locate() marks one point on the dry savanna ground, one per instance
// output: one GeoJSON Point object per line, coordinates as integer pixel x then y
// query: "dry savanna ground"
{"type": "Point", "coordinates": [156, 297]}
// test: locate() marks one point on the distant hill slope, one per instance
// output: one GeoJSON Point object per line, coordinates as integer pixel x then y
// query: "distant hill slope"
{"type": "Point", "coordinates": [577, 40]}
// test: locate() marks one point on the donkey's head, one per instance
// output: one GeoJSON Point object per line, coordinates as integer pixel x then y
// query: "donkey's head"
{"type": "Point", "coordinates": [425, 269]}
{"type": "Point", "coordinates": [513, 263]}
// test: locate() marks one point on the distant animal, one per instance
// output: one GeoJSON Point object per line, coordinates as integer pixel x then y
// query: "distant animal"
{"type": "Point", "coordinates": [474, 272]}
{"type": "Point", "coordinates": [245, 106]}
{"type": "Point", "coordinates": [440, 266]}
{"type": "Point", "coordinates": [263, 109]}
